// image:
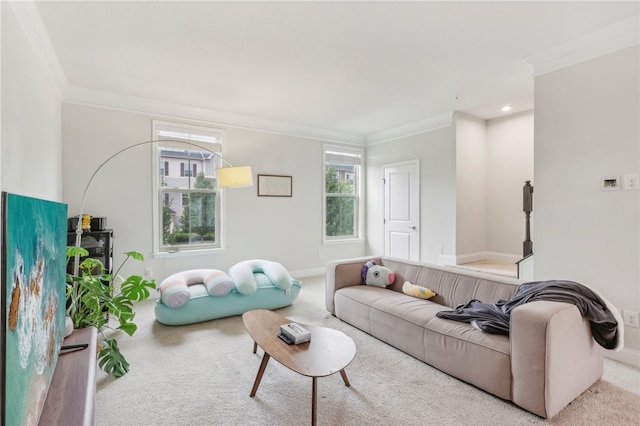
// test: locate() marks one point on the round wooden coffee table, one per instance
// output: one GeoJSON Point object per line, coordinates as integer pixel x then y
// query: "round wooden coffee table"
{"type": "Point", "coordinates": [328, 352]}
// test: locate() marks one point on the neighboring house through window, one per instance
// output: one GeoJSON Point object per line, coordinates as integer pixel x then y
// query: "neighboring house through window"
{"type": "Point", "coordinates": [186, 197]}
{"type": "Point", "coordinates": [342, 193]}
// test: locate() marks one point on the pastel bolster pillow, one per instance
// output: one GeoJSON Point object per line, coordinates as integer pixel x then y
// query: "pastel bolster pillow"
{"type": "Point", "coordinates": [174, 290]}
{"type": "Point", "coordinates": [242, 275]}
{"type": "Point", "coordinates": [417, 291]}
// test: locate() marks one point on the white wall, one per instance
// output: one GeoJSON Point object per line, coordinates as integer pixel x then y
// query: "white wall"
{"type": "Point", "coordinates": [31, 136]}
{"type": "Point", "coordinates": [471, 185]}
{"type": "Point", "coordinates": [436, 152]}
{"type": "Point", "coordinates": [471, 178]}
{"type": "Point", "coordinates": [286, 230]}
{"type": "Point", "coordinates": [30, 141]}
{"type": "Point", "coordinates": [493, 160]}
{"type": "Point", "coordinates": [509, 165]}
{"type": "Point", "coordinates": [586, 127]}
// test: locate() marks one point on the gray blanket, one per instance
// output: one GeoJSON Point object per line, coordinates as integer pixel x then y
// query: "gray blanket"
{"type": "Point", "coordinates": [495, 318]}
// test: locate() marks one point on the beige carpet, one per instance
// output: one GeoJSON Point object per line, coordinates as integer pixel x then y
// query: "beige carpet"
{"type": "Point", "coordinates": [202, 374]}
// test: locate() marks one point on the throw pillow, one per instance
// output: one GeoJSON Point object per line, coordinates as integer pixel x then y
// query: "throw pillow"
{"type": "Point", "coordinates": [174, 290]}
{"type": "Point", "coordinates": [244, 281]}
{"type": "Point", "coordinates": [218, 283]}
{"type": "Point", "coordinates": [417, 291]}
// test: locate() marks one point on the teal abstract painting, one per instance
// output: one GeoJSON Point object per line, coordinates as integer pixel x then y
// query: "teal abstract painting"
{"type": "Point", "coordinates": [33, 283]}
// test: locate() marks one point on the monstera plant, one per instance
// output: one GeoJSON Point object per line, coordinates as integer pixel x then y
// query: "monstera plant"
{"type": "Point", "coordinates": [97, 299]}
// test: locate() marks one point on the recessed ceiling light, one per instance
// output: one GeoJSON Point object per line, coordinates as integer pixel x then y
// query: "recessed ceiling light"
{"type": "Point", "coordinates": [506, 108]}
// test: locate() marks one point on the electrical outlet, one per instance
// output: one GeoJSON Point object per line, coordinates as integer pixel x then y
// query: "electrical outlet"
{"type": "Point", "coordinates": [631, 182]}
{"type": "Point", "coordinates": [630, 318]}
{"type": "Point", "coordinates": [147, 273]}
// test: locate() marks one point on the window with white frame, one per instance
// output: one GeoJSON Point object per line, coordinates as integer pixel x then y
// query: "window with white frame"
{"type": "Point", "coordinates": [186, 197]}
{"type": "Point", "coordinates": [342, 192]}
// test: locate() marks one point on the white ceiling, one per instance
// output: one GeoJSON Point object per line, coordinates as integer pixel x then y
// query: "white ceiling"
{"type": "Point", "coordinates": [358, 68]}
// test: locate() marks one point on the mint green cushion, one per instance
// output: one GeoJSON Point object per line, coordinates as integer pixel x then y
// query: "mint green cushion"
{"type": "Point", "coordinates": [204, 307]}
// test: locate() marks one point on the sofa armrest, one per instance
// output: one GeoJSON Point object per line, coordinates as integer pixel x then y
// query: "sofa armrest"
{"type": "Point", "coordinates": [553, 356]}
{"type": "Point", "coordinates": [343, 273]}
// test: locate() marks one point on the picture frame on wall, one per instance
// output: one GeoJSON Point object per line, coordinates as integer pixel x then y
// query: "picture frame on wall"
{"type": "Point", "coordinates": [275, 186]}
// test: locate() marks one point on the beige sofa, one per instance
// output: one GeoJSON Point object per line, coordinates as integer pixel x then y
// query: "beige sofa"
{"type": "Point", "coordinates": [548, 360]}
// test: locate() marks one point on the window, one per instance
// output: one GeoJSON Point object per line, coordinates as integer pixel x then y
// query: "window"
{"type": "Point", "coordinates": [188, 169]}
{"type": "Point", "coordinates": [187, 200]}
{"type": "Point", "coordinates": [342, 191]}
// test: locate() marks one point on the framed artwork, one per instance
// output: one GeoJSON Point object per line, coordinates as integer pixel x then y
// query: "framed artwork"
{"type": "Point", "coordinates": [274, 186]}
{"type": "Point", "coordinates": [34, 241]}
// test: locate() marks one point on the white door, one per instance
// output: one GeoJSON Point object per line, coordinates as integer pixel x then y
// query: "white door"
{"type": "Point", "coordinates": [402, 211]}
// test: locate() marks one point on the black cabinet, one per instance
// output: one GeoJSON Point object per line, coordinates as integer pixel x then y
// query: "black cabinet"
{"type": "Point", "coordinates": [99, 244]}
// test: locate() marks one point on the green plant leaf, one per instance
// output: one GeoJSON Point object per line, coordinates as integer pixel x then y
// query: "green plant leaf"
{"type": "Point", "coordinates": [73, 251]}
{"type": "Point", "coordinates": [121, 308]}
{"type": "Point", "coordinates": [135, 255]}
{"type": "Point", "coordinates": [90, 265]}
{"type": "Point", "coordinates": [111, 361]}
{"type": "Point", "coordinates": [94, 293]}
{"type": "Point", "coordinates": [137, 288]}
{"type": "Point", "coordinates": [128, 327]}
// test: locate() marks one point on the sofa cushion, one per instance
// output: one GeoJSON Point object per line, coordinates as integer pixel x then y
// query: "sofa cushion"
{"type": "Point", "coordinates": [410, 324]}
{"type": "Point", "coordinates": [459, 349]}
{"type": "Point", "coordinates": [454, 286]}
{"type": "Point", "coordinates": [392, 317]}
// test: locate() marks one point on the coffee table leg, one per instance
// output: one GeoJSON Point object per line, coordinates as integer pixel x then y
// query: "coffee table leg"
{"type": "Point", "coordinates": [314, 412]}
{"type": "Point", "coordinates": [255, 347]}
{"type": "Point", "coordinates": [263, 365]}
{"type": "Point", "coordinates": [344, 377]}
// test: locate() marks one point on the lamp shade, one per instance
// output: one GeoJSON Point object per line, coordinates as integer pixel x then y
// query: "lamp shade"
{"type": "Point", "coordinates": [233, 177]}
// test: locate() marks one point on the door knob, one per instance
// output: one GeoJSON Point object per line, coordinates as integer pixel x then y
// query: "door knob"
{"type": "Point", "coordinates": [412, 227]}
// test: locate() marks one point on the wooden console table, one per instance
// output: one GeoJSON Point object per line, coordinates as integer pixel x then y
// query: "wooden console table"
{"type": "Point", "coordinates": [71, 399]}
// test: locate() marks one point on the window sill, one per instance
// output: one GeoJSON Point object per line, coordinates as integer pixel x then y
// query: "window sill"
{"type": "Point", "coordinates": [344, 241]}
{"type": "Point", "coordinates": [186, 253]}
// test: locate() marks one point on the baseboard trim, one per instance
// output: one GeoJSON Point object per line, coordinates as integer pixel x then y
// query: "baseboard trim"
{"type": "Point", "coordinates": [311, 272]}
{"type": "Point", "coordinates": [487, 255]}
{"type": "Point", "coordinates": [446, 260]}
{"type": "Point", "coordinates": [627, 356]}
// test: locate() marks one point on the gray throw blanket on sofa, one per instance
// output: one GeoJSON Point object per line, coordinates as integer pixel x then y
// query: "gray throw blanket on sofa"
{"type": "Point", "coordinates": [494, 318]}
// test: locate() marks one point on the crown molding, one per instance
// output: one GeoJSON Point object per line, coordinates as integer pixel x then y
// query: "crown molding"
{"type": "Point", "coordinates": [426, 125]}
{"type": "Point", "coordinates": [620, 35]}
{"type": "Point", "coordinates": [102, 99]}
{"type": "Point", "coordinates": [31, 23]}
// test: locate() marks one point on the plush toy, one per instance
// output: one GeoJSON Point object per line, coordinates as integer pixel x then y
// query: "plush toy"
{"type": "Point", "coordinates": [417, 291]}
{"type": "Point", "coordinates": [377, 275]}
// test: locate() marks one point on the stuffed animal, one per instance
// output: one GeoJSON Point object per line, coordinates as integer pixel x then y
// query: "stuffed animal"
{"type": "Point", "coordinates": [377, 275]}
{"type": "Point", "coordinates": [417, 291]}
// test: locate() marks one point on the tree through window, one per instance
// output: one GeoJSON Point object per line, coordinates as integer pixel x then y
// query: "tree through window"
{"type": "Point", "coordinates": [342, 194]}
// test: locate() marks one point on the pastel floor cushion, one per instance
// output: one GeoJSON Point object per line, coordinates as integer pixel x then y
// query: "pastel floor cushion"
{"type": "Point", "coordinates": [242, 275]}
{"type": "Point", "coordinates": [269, 287]}
{"type": "Point", "coordinates": [174, 290]}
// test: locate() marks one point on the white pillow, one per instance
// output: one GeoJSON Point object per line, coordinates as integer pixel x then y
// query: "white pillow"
{"type": "Point", "coordinates": [174, 290]}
